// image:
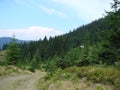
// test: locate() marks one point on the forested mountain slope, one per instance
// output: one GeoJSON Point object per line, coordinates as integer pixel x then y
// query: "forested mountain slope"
{"type": "Point", "coordinates": [95, 38]}
{"type": "Point", "coordinates": [93, 33]}
{"type": "Point", "coordinates": [89, 53]}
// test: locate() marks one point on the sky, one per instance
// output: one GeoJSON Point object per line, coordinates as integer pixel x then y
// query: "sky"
{"type": "Point", "coordinates": [35, 19]}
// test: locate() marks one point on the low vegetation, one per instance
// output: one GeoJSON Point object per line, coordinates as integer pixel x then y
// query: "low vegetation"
{"type": "Point", "coordinates": [2, 57]}
{"type": "Point", "coordinates": [11, 70]}
{"type": "Point", "coordinates": [69, 85]}
{"type": "Point", "coordinates": [87, 58]}
{"type": "Point", "coordinates": [98, 74]}
{"type": "Point", "coordinates": [82, 78]}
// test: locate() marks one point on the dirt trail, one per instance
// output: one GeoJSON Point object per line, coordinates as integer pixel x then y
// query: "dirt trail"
{"type": "Point", "coordinates": [20, 82]}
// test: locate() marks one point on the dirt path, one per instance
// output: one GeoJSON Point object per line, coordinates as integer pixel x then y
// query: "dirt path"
{"type": "Point", "coordinates": [20, 82]}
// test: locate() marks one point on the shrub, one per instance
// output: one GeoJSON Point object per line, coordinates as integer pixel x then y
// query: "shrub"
{"type": "Point", "coordinates": [117, 64]}
{"type": "Point", "coordinates": [31, 69]}
{"type": "Point", "coordinates": [98, 74]}
{"type": "Point", "coordinates": [98, 87]}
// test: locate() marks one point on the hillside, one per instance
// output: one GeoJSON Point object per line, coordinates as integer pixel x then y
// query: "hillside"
{"type": "Point", "coordinates": [86, 58]}
{"type": "Point", "coordinates": [99, 39]}
{"type": "Point", "coordinates": [60, 45]}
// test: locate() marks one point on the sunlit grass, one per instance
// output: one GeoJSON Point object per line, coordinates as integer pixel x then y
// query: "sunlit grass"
{"type": "Point", "coordinates": [11, 70]}
{"type": "Point", "coordinates": [81, 78]}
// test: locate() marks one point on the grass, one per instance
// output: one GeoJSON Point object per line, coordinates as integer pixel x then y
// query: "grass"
{"type": "Point", "coordinates": [97, 74]}
{"type": "Point", "coordinates": [10, 70]}
{"type": "Point", "coordinates": [82, 78]}
{"type": "Point", "coordinates": [2, 55]}
{"type": "Point", "coordinates": [82, 84]}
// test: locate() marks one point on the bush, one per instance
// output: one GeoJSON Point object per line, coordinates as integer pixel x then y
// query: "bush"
{"type": "Point", "coordinates": [33, 65]}
{"type": "Point", "coordinates": [98, 87]}
{"type": "Point", "coordinates": [31, 69]}
{"type": "Point", "coordinates": [117, 64]}
{"type": "Point", "coordinates": [98, 74]}
{"type": "Point", "coordinates": [61, 75]}
{"type": "Point", "coordinates": [2, 63]}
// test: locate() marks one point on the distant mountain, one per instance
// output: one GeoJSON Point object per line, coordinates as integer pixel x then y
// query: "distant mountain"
{"type": "Point", "coordinates": [6, 40]}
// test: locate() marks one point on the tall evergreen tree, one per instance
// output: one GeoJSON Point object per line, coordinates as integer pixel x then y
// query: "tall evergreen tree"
{"type": "Point", "coordinates": [111, 47]}
{"type": "Point", "coordinates": [12, 56]}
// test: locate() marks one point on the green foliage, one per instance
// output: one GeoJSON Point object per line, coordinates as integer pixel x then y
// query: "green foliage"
{"type": "Point", "coordinates": [98, 87]}
{"type": "Point", "coordinates": [70, 79]}
{"type": "Point", "coordinates": [98, 74]}
{"type": "Point", "coordinates": [55, 63]}
{"type": "Point", "coordinates": [106, 54]}
{"type": "Point", "coordinates": [50, 66]}
{"type": "Point", "coordinates": [117, 64]}
{"type": "Point", "coordinates": [12, 54]}
{"type": "Point", "coordinates": [82, 56]}
{"type": "Point", "coordinates": [111, 45]}
{"type": "Point", "coordinates": [93, 54]}
{"type": "Point", "coordinates": [62, 63]}
{"type": "Point", "coordinates": [59, 74]}
{"type": "Point", "coordinates": [33, 65]}
{"type": "Point", "coordinates": [2, 63]}
{"type": "Point", "coordinates": [74, 55]}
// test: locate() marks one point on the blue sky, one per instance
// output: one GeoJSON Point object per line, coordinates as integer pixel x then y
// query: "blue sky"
{"type": "Point", "coordinates": [34, 19]}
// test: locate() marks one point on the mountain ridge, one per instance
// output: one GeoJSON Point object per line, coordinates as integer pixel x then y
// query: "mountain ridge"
{"type": "Point", "coordinates": [6, 40]}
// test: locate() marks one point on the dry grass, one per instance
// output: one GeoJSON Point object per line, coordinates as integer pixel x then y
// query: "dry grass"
{"type": "Point", "coordinates": [2, 55]}
{"type": "Point", "coordinates": [82, 84]}
{"type": "Point", "coordinates": [11, 70]}
{"type": "Point", "coordinates": [82, 78]}
{"type": "Point", "coordinates": [98, 74]}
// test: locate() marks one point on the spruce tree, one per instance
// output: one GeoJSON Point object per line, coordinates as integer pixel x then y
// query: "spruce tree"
{"type": "Point", "coordinates": [111, 46]}
{"type": "Point", "coordinates": [12, 56]}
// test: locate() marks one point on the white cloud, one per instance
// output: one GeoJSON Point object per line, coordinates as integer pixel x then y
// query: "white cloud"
{"type": "Point", "coordinates": [52, 11]}
{"type": "Point", "coordinates": [30, 33]}
{"type": "Point", "coordinates": [86, 9]}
